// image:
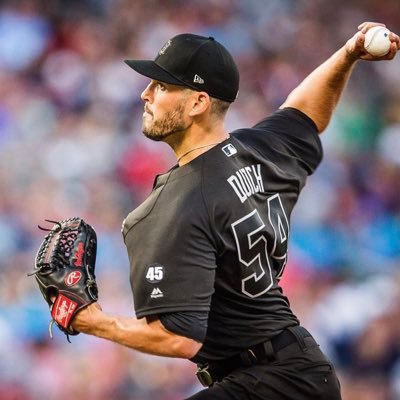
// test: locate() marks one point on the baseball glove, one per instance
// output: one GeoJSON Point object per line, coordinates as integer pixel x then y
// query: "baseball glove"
{"type": "Point", "coordinates": [64, 270]}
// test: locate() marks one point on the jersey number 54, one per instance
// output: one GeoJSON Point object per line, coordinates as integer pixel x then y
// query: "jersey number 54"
{"type": "Point", "coordinates": [251, 241]}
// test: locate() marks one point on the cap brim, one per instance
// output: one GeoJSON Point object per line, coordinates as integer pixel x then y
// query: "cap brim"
{"type": "Point", "coordinates": [153, 71]}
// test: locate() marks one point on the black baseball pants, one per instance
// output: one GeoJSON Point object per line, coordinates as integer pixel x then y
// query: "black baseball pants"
{"type": "Point", "coordinates": [300, 371]}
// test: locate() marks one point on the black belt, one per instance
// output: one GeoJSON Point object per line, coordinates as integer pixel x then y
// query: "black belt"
{"type": "Point", "coordinates": [210, 372]}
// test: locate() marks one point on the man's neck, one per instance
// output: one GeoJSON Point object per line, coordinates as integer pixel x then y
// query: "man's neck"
{"type": "Point", "coordinates": [197, 140]}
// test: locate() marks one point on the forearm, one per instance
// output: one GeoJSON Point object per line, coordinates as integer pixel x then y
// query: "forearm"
{"type": "Point", "coordinates": [145, 335]}
{"type": "Point", "coordinates": [319, 93]}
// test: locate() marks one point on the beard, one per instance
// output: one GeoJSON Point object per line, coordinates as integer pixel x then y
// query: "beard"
{"type": "Point", "coordinates": [169, 124]}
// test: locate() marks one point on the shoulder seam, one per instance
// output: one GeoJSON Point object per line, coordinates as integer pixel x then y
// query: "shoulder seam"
{"type": "Point", "coordinates": [212, 224]}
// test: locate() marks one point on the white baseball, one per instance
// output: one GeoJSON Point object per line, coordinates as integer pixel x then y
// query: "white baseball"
{"type": "Point", "coordinates": [377, 41]}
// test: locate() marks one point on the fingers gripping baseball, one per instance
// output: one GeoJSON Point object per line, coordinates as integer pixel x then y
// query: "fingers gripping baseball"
{"type": "Point", "coordinates": [373, 42]}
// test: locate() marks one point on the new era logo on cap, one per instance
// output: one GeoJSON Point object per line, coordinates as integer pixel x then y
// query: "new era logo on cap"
{"type": "Point", "coordinates": [197, 79]}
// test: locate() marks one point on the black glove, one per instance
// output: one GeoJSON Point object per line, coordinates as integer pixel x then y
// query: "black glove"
{"type": "Point", "coordinates": [64, 270]}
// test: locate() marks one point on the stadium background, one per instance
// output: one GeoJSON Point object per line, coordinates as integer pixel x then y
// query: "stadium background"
{"type": "Point", "coordinates": [71, 144]}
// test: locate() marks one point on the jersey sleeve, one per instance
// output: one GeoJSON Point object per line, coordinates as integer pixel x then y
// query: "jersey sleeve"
{"type": "Point", "coordinates": [191, 324]}
{"type": "Point", "coordinates": [289, 138]}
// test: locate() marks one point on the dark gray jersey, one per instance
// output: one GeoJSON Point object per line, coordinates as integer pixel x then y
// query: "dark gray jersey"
{"type": "Point", "coordinates": [213, 234]}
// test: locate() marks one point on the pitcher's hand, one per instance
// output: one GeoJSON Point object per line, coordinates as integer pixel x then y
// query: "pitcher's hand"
{"type": "Point", "coordinates": [355, 46]}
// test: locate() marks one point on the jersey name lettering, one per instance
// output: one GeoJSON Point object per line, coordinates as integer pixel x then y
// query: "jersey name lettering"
{"type": "Point", "coordinates": [247, 181]}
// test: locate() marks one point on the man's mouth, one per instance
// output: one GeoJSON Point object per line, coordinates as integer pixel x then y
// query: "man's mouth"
{"type": "Point", "coordinates": [147, 111]}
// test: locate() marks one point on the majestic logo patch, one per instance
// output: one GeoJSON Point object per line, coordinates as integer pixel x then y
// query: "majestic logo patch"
{"type": "Point", "coordinates": [165, 47]}
{"type": "Point", "coordinates": [79, 255]}
{"type": "Point", "coordinates": [155, 273]}
{"type": "Point", "coordinates": [229, 150]}
{"type": "Point", "coordinates": [73, 278]}
{"type": "Point", "coordinates": [156, 293]}
{"type": "Point", "coordinates": [62, 310]}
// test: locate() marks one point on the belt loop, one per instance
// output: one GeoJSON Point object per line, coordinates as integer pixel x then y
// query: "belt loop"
{"type": "Point", "coordinates": [248, 357]}
{"type": "Point", "coordinates": [269, 351]}
{"type": "Point", "coordinates": [299, 337]}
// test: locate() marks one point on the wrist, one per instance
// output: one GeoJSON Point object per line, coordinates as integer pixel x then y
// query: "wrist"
{"type": "Point", "coordinates": [350, 57]}
{"type": "Point", "coordinates": [87, 319]}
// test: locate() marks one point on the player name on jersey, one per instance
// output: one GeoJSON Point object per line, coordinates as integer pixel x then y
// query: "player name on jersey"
{"type": "Point", "coordinates": [247, 181]}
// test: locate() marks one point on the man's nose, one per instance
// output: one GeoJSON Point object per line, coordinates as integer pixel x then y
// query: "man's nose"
{"type": "Point", "coordinates": [146, 94]}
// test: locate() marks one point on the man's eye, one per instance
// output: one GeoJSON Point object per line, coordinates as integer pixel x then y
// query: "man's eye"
{"type": "Point", "coordinates": [161, 87]}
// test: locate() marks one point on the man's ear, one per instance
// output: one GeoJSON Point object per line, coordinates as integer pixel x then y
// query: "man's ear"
{"type": "Point", "coordinates": [200, 103]}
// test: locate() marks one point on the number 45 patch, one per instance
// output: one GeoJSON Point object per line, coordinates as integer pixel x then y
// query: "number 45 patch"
{"type": "Point", "coordinates": [155, 273]}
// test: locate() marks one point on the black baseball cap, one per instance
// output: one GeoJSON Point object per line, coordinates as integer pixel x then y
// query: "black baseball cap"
{"type": "Point", "coordinates": [199, 62]}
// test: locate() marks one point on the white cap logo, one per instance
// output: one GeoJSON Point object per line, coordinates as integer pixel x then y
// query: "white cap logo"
{"type": "Point", "coordinates": [197, 79]}
{"type": "Point", "coordinates": [165, 47]}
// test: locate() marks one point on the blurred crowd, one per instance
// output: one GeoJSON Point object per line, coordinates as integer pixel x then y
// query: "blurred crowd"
{"type": "Point", "coordinates": [71, 145]}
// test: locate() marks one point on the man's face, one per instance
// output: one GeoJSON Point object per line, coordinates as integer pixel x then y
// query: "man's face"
{"type": "Point", "coordinates": [164, 110]}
